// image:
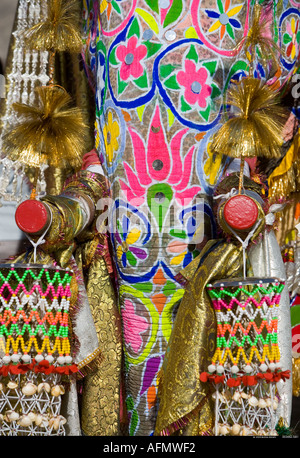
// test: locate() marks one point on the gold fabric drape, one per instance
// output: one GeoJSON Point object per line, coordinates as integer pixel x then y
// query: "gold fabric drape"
{"type": "Point", "coordinates": [185, 403]}
{"type": "Point", "coordinates": [101, 391]}
{"type": "Point", "coordinates": [284, 181]}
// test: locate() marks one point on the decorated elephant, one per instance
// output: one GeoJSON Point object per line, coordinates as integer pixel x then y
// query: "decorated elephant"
{"type": "Point", "coordinates": [160, 70]}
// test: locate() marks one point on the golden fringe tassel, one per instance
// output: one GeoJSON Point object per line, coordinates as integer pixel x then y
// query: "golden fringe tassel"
{"type": "Point", "coordinates": [258, 38]}
{"type": "Point", "coordinates": [254, 127]}
{"type": "Point", "coordinates": [51, 132]}
{"type": "Point", "coordinates": [60, 31]}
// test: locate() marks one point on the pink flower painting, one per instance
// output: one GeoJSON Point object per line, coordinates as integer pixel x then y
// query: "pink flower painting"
{"type": "Point", "coordinates": [131, 56]}
{"type": "Point", "coordinates": [195, 83]}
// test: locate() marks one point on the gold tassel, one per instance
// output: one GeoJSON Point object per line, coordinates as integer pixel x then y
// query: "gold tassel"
{"type": "Point", "coordinates": [255, 124]}
{"type": "Point", "coordinates": [60, 31]}
{"type": "Point", "coordinates": [51, 132]}
{"type": "Point", "coordinates": [258, 38]}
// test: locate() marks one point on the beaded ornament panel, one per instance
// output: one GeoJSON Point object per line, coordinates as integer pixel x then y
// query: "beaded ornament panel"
{"type": "Point", "coordinates": [35, 348]}
{"type": "Point", "coordinates": [246, 364]}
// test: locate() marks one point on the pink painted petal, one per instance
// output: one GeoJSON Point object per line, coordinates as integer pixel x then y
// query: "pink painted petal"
{"type": "Point", "coordinates": [190, 96]}
{"type": "Point", "coordinates": [139, 158]}
{"type": "Point", "coordinates": [121, 52]}
{"type": "Point", "coordinates": [130, 196]}
{"type": "Point", "coordinates": [205, 92]}
{"type": "Point", "coordinates": [176, 246]}
{"type": "Point", "coordinates": [136, 69]}
{"type": "Point", "coordinates": [134, 184]}
{"type": "Point", "coordinates": [201, 102]}
{"type": "Point", "coordinates": [131, 45]}
{"type": "Point", "coordinates": [140, 52]}
{"type": "Point", "coordinates": [188, 161]}
{"type": "Point", "coordinates": [158, 149]}
{"type": "Point", "coordinates": [163, 12]}
{"type": "Point", "coordinates": [190, 68]}
{"type": "Point", "coordinates": [125, 71]}
{"type": "Point", "coordinates": [182, 79]}
{"type": "Point", "coordinates": [186, 78]}
{"type": "Point", "coordinates": [289, 28]}
{"type": "Point", "coordinates": [202, 75]}
{"type": "Point", "coordinates": [176, 172]}
{"type": "Point", "coordinates": [184, 198]}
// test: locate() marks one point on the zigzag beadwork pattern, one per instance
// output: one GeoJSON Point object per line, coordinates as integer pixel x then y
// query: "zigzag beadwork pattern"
{"type": "Point", "coordinates": [34, 311]}
{"type": "Point", "coordinates": [65, 280]}
{"type": "Point", "coordinates": [247, 322]}
{"type": "Point", "coordinates": [267, 296]}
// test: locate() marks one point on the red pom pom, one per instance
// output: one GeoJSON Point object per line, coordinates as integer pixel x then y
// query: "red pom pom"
{"type": "Point", "coordinates": [234, 382]}
{"type": "Point", "coordinates": [204, 377]}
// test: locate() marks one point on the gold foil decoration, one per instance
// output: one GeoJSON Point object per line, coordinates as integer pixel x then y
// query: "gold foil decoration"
{"type": "Point", "coordinates": [255, 119]}
{"type": "Point", "coordinates": [50, 132]}
{"type": "Point", "coordinates": [285, 179]}
{"type": "Point", "coordinates": [255, 124]}
{"type": "Point", "coordinates": [60, 31]}
{"type": "Point", "coordinates": [258, 37]}
{"type": "Point", "coordinates": [100, 407]}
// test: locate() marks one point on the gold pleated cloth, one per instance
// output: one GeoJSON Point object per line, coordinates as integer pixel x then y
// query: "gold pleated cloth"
{"type": "Point", "coordinates": [101, 392]}
{"type": "Point", "coordinates": [100, 405]}
{"type": "Point", "coordinates": [185, 403]}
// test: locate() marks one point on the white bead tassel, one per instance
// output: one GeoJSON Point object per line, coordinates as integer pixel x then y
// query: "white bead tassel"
{"type": "Point", "coordinates": [25, 76]}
